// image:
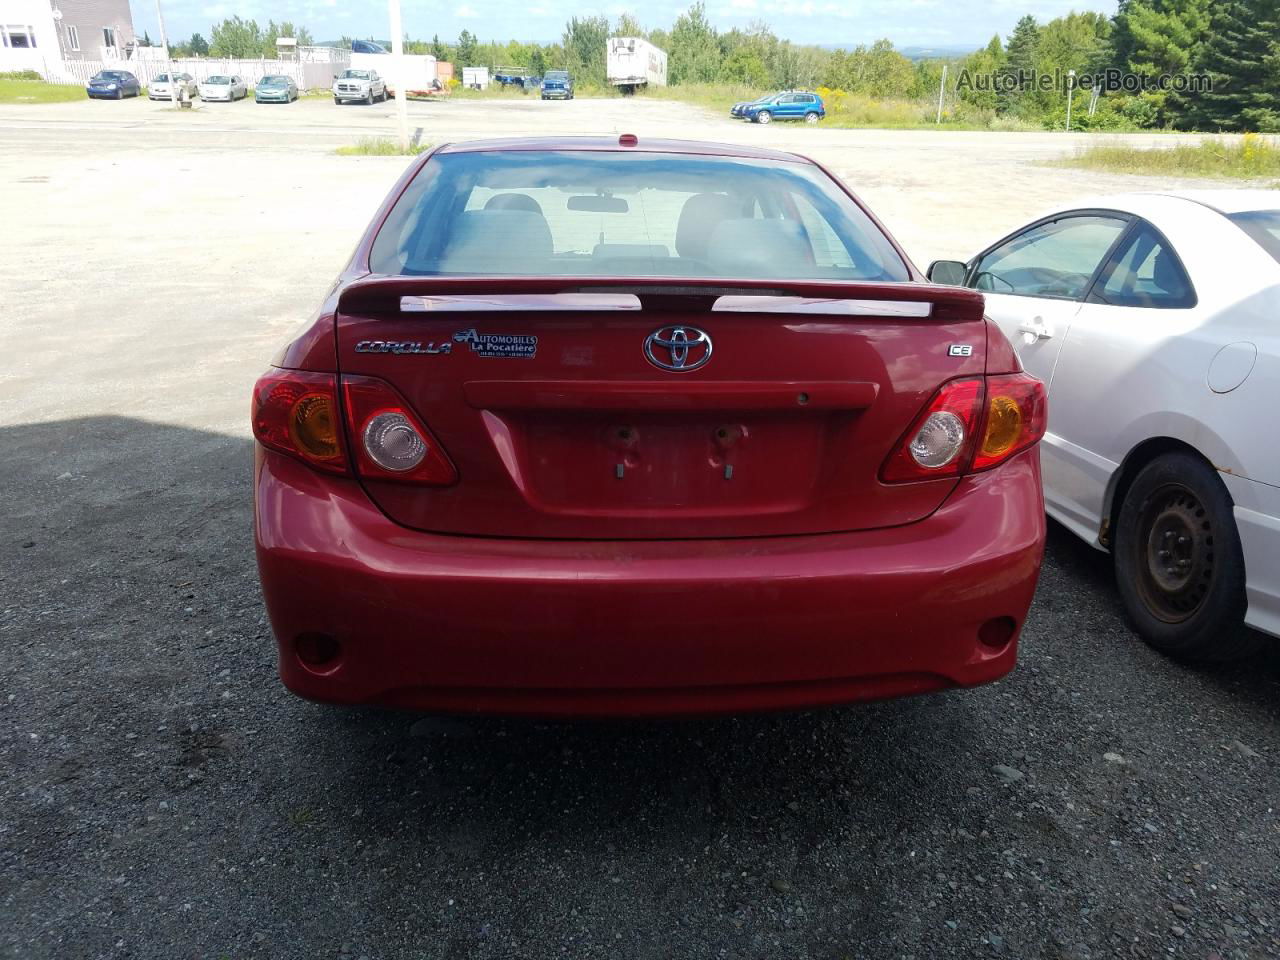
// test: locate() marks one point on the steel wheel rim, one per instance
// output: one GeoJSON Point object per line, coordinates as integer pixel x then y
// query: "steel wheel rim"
{"type": "Point", "coordinates": [1177, 555]}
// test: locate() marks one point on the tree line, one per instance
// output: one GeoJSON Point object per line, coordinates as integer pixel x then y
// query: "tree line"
{"type": "Point", "coordinates": [1234, 43]}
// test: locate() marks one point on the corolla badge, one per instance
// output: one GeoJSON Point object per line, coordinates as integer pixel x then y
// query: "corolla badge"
{"type": "Point", "coordinates": [680, 349]}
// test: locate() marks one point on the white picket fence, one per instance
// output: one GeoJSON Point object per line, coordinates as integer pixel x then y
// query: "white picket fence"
{"type": "Point", "coordinates": [308, 76]}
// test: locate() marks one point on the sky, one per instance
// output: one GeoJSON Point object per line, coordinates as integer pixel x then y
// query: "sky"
{"type": "Point", "coordinates": [908, 23]}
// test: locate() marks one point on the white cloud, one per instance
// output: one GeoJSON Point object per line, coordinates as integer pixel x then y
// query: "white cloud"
{"type": "Point", "coordinates": [466, 10]}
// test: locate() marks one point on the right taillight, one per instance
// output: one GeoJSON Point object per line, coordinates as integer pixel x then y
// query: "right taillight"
{"type": "Point", "coordinates": [389, 440]}
{"type": "Point", "coordinates": [1015, 418]}
{"type": "Point", "coordinates": [970, 424]}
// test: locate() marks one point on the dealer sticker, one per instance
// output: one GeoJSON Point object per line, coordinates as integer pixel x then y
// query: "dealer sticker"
{"type": "Point", "coordinates": [499, 344]}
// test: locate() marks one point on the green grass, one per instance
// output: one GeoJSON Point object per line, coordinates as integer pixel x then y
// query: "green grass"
{"type": "Point", "coordinates": [380, 147]}
{"type": "Point", "coordinates": [845, 110]}
{"type": "Point", "coordinates": [1250, 157]}
{"type": "Point", "coordinates": [37, 91]}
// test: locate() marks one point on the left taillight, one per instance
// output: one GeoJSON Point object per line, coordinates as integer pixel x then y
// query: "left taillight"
{"type": "Point", "coordinates": [296, 413]}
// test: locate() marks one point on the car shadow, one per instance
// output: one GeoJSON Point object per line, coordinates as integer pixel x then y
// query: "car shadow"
{"type": "Point", "coordinates": [149, 725]}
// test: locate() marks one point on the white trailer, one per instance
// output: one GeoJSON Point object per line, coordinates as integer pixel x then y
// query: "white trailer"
{"type": "Point", "coordinates": [419, 70]}
{"type": "Point", "coordinates": [632, 63]}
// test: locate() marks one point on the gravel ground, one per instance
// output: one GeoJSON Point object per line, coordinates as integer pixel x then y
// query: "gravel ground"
{"type": "Point", "coordinates": [162, 796]}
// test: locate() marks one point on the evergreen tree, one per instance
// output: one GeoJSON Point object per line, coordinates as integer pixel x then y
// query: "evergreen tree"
{"type": "Point", "coordinates": [437, 48]}
{"type": "Point", "coordinates": [466, 49]}
{"type": "Point", "coordinates": [1162, 36]}
{"type": "Point", "coordinates": [1020, 59]}
{"type": "Point", "coordinates": [198, 45]}
{"type": "Point", "coordinates": [972, 83]}
{"type": "Point", "coordinates": [1242, 61]}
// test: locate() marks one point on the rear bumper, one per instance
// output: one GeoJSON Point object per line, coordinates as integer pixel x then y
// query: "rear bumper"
{"type": "Point", "coordinates": [582, 628]}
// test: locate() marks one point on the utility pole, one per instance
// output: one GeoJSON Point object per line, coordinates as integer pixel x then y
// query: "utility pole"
{"type": "Point", "coordinates": [1071, 82]}
{"type": "Point", "coordinates": [942, 87]}
{"type": "Point", "coordinates": [164, 42]}
{"type": "Point", "coordinates": [400, 73]}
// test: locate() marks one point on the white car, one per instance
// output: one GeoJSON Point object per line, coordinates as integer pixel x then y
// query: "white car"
{"type": "Point", "coordinates": [159, 88]}
{"type": "Point", "coordinates": [223, 87]}
{"type": "Point", "coordinates": [359, 85]}
{"type": "Point", "coordinates": [1154, 320]}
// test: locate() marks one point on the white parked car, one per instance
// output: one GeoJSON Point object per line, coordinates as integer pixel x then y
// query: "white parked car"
{"type": "Point", "coordinates": [359, 85]}
{"type": "Point", "coordinates": [1154, 319]}
{"type": "Point", "coordinates": [222, 87]}
{"type": "Point", "coordinates": [160, 89]}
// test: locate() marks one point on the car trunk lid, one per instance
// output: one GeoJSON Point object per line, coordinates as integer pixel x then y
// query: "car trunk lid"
{"type": "Point", "coordinates": [577, 408]}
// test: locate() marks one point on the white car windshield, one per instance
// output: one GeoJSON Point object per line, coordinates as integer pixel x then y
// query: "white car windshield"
{"type": "Point", "coordinates": [219, 81]}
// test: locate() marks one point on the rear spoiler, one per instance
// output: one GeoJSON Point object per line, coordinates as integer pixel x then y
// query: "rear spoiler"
{"type": "Point", "coordinates": [395, 296]}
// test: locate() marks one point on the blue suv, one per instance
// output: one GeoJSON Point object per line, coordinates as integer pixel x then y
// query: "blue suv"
{"type": "Point", "coordinates": [786, 106]}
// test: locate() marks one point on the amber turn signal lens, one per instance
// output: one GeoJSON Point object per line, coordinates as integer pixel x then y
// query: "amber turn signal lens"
{"type": "Point", "coordinates": [1004, 426]}
{"type": "Point", "coordinates": [313, 427]}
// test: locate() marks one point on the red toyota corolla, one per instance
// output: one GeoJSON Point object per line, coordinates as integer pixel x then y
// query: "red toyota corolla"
{"type": "Point", "coordinates": [624, 427]}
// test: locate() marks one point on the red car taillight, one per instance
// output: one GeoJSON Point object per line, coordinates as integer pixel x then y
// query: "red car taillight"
{"type": "Point", "coordinates": [389, 440]}
{"type": "Point", "coordinates": [297, 413]}
{"type": "Point", "coordinates": [1016, 416]}
{"type": "Point", "coordinates": [969, 425]}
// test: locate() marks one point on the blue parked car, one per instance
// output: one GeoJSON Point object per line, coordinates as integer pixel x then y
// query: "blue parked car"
{"type": "Point", "coordinates": [737, 109]}
{"type": "Point", "coordinates": [786, 106]}
{"type": "Point", "coordinates": [113, 85]}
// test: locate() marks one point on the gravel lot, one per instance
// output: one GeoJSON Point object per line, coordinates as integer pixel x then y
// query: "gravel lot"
{"type": "Point", "coordinates": [161, 796]}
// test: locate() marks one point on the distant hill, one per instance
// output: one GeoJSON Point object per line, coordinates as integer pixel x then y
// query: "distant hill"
{"type": "Point", "coordinates": [937, 53]}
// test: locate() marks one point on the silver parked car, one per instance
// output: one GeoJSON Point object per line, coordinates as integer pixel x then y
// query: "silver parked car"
{"type": "Point", "coordinates": [275, 88]}
{"type": "Point", "coordinates": [223, 87]}
{"type": "Point", "coordinates": [161, 89]}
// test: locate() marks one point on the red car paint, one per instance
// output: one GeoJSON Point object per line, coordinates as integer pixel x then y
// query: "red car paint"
{"type": "Point", "coordinates": [613, 539]}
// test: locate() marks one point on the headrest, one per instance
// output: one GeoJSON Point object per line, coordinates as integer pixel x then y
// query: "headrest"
{"type": "Point", "coordinates": [701, 214]}
{"type": "Point", "coordinates": [767, 248]}
{"type": "Point", "coordinates": [498, 241]}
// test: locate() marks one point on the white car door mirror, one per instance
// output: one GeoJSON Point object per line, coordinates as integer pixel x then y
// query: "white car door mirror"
{"type": "Point", "coordinates": [949, 272]}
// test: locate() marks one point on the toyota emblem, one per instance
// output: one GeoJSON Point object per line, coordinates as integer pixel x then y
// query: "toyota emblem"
{"type": "Point", "coordinates": [679, 349]}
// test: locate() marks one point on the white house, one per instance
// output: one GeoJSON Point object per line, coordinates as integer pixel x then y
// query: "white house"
{"type": "Point", "coordinates": [40, 34]}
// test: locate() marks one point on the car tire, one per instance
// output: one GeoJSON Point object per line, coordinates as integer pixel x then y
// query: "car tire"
{"type": "Point", "coordinates": [764, 116]}
{"type": "Point", "coordinates": [1179, 566]}
{"type": "Point", "coordinates": [337, 101]}
{"type": "Point", "coordinates": [811, 117]}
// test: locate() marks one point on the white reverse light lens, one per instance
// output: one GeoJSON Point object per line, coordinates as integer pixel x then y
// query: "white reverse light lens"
{"type": "Point", "coordinates": [938, 440]}
{"type": "Point", "coordinates": [392, 442]}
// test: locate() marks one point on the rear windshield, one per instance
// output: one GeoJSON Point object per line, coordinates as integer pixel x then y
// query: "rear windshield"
{"type": "Point", "coordinates": [629, 214]}
{"type": "Point", "coordinates": [1263, 226]}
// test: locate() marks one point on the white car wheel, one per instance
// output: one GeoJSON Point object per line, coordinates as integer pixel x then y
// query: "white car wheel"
{"type": "Point", "coordinates": [764, 116]}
